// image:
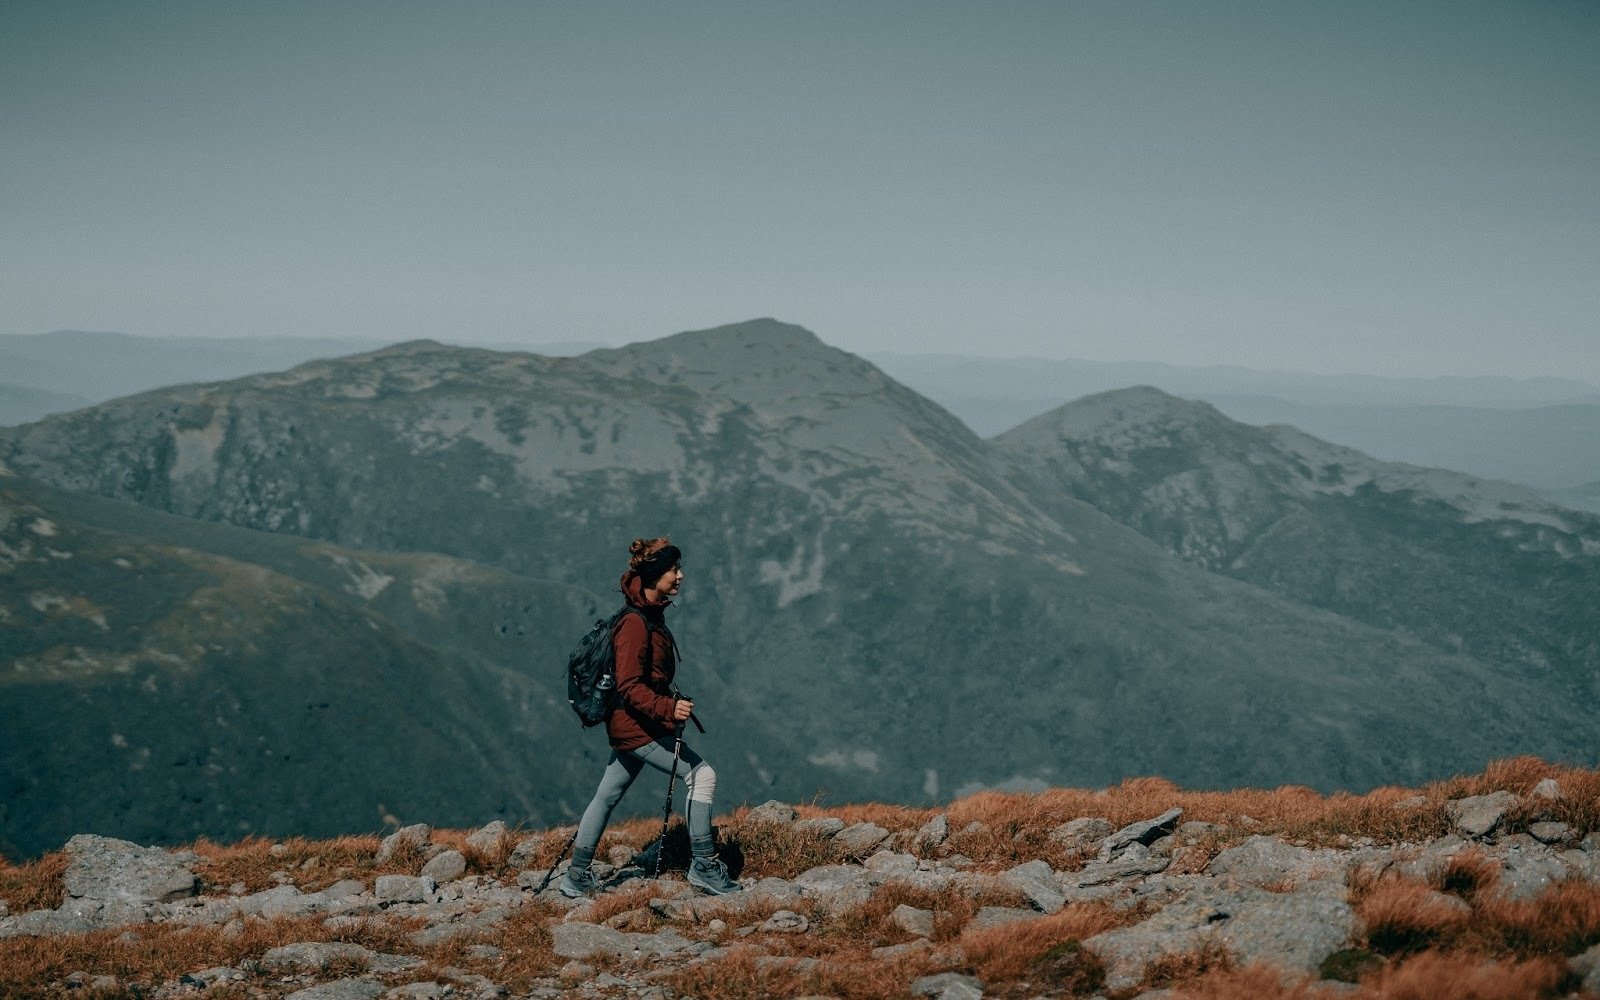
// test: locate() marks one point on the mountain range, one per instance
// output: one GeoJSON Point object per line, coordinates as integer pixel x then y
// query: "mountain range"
{"type": "Point", "coordinates": [879, 603]}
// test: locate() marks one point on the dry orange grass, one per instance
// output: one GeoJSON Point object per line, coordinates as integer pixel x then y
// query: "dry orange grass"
{"type": "Point", "coordinates": [1402, 916]}
{"type": "Point", "coordinates": [1433, 975]}
{"type": "Point", "coordinates": [1009, 952]}
{"type": "Point", "coordinates": [38, 885]}
{"type": "Point", "coordinates": [1564, 919]}
{"type": "Point", "coordinates": [1176, 968]}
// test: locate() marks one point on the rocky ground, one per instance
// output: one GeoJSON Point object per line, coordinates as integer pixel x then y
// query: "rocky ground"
{"type": "Point", "coordinates": [1153, 908]}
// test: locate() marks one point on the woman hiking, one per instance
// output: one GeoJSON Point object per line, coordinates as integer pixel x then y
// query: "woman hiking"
{"type": "Point", "coordinates": [648, 721]}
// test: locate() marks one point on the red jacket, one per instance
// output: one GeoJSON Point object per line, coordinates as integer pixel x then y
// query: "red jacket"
{"type": "Point", "coordinates": [644, 684]}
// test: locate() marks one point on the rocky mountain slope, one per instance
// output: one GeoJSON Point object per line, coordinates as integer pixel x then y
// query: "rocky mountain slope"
{"type": "Point", "coordinates": [1466, 564]}
{"type": "Point", "coordinates": [879, 603]}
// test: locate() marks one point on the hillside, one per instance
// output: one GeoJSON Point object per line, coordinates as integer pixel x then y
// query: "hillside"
{"type": "Point", "coordinates": [1465, 564]}
{"type": "Point", "coordinates": [917, 615]}
{"type": "Point", "coordinates": [163, 679]}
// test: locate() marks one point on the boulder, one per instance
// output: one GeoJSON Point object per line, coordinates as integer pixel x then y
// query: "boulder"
{"type": "Point", "coordinates": [933, 833]}
{"type": "Point", "coordinates": [446, 867]}
{"type": "Point", "coordinates": [888, 864]}
{"type": "Point", "coordinates": [523, 854]}
{"type": "Point", "coordinates": [786, 922]}
{"type": "Point", "coordinates": [948, 986]}
{"type": "Point", "coordinates": [860, 840]}
{"type": "Point", "coordinates": [773, 811]}
{"type": "Point", "coordinates": [1587, 965]}
{"type": "Point", "coordinates": [1086, 831]}
{"type": "Point", "coordinates": [402, 889]}
{"type": "Point", "coordinates": [414, 837]}
{"type": "Point", "coordinates": [341, 989]}
{"type": "Point", "coordinates": [1551, 832]}
{"type": "Point", "coordinates": [116, 871]}
{"type": "Point", "coordinates": [1267, 860]}
{"type": "Point", "coordinates": [913, 920]}
{"type": "Point", "coordinates": [1038, 882]}
{"type": "Point", "coordinates": [999, 916]}
{"type": "Point", "coordinates": [1294, 931]}
{"type": "Point", "coordinates": [486, 839]}
{"type": "Point", "coordinates": [825, 826]}
{"type": "Point", "coordinates": [1477, 816]}
{"type": "Point", "coordinates": [1143, 832]}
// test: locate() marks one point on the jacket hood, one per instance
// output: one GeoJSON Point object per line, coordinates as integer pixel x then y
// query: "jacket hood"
{"type": "Point", "coordinates": [633, 591]}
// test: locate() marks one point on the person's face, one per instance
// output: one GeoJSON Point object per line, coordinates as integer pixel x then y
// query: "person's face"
{"type": "Point", "coordinates": [670, 581]}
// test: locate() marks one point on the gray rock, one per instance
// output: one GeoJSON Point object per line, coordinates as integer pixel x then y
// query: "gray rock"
{"type": "Point", "coordinates": [590, 940]}
{"type": "Point", "coordinates": [1038, 882]}
{"type": "Point", "coordinates": [860, 839]}
{"type": "Point", "coordinates": [1587, 965]}
{"type": "Point", "coordinates": [1548, 789]}
{"type": "Point", "coordinates": [401, 889]}
{"type": "Point", "coordinates": [1144, 832]}
{"type": "Point", "coordinates": [116, 871]}
{"type": "Point", "coordinates": [212, 976]}
{"type": "Point", "coordinates": [1086, 831]}
{"type": "Point", "coordinates": [414, 836]}
{"type": "Point", "coordinates": [44, 923]}
{"type": "Point", "coordinates": [1294, 931]}
{"type": "Point", "coordinates": [446, 867]}
{"type": "Point", "coordinates": [1265, 860]}
{"type": "Point", "coordinates": [830, 878]}
{"type": "Point", "coordinates": [894, 952]}
{"type": "Point", "coordinates": [486, 839]}
{"type": "Point", "coordinates": [999, 916]}
{"type": "Point", "coordinates": [419, 991]}
{"type": "Point", "coordinates": [889, 864]}
{"type": "Point", "coordinates": [913, 920]}
{"type": "Point", "coordinates": [786, 922]}
{"type": "Point", "coordinates": [825, 826]}
{"type": "Point", "coordinates": [1551, 833]}
{"type": "Point", "coordinates": [1477, 816]}
{"type": "Point", "coordinates": [773, 811]}
{"type": "Point", "coordinates": [940, 986]}
{"type": "Point", "coordinates": [933, 833]}
{"type": "Point", "coordinates": [522, 855]}
{"type": "Point", "coordinates": [1098, 873]}
{"type": "Point", "coordinates": [1525, 874]}
{"type": "Point", "coordinates": [341, 989]}
{"type": "Point", "coordinates": [343, 889]}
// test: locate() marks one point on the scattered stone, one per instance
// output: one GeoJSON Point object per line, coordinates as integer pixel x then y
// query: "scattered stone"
{"type": "Point", "coordinates": [830, 878]}
{"type": "Point", "coordinates": [575, 972]}
{"type": "Point", "coordinates": [1477, 816]}
{"type": "Point", "coordinates": [402, 889]}
{"type": "Point", "coordinates": [894, 952]}
{"type": "Point", "coordinates": [486, 839]}
{"type": "Point", "coordinates": [824, 826]}
{"type": "Point", "coordinates": [523, 854]}
{"type": "Point", "coordinates": [1549, 789]}
{"type": "Point", "coordinates": [1098, 873]}
{"type": "Point", "coordinates": [341, 989]}
{"type": "Point", "coordinates": [1143, 832]}
{"type": "Point", "coordinates": [860, 840]}
{"type": "Point", "coordinates": [1083, 832]}
{"type": "Point", "coordinates": [892, 865]}
{"type": "Point", "coordinates": [212, 976]}
{"type": "Point", "coordinates": [1414, 802]}
{"type": "Point", "coordinates": [414, 837]}
{"type": "Point", "coordinates": [1550, 832]}
{"type": "Point", "coordinates": [933, 833]}
{"type": "Point", "coordinates": [1196, 830]}
{"type": "Point", "coordinates": [948, 986]}
{"type": "Point", "coordinates": [786, 922]}
{"type": "Point", "coordinates": [419, 991]}
{"type": "Point", "coordinates": [773, 811]}
{"type": "Point", "coordinates": [317, 956]}
{"type": "Point", "coordinates": [717, 925]}
{"type": "Point", "coordinates": [278, 850]}
{"type": "Point", "coordinates": [1038, 882]}
{"type": "Point", "coordinates": [913, 920]}
{"type": "Point", "coordinates": [1267, 860]}
{"type": "Point", "coordinates": [446, 867]}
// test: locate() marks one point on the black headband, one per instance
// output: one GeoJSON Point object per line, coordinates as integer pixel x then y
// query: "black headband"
{"type": "Point", "coordinates": [651, 568]}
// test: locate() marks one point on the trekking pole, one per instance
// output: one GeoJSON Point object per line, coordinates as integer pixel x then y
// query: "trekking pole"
{"type": "Point", "coordinates": [666, 812]}
{"type": "Point", "coordinates": [557, 862]}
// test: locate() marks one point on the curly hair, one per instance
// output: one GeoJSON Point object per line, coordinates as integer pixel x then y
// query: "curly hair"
{"type": "Point", "coordinates": [643, 550]}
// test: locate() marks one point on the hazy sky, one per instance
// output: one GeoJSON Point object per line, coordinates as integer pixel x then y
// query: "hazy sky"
{"type": "Point", "coordinates": [1381, 187]}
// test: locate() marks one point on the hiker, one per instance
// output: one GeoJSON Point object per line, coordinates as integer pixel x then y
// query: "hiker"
{"type": "Point", "coordinates": [646, 724]}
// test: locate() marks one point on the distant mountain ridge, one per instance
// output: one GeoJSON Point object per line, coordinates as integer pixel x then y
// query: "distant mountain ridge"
{"type": "Point", "coordinates": [880, 603]}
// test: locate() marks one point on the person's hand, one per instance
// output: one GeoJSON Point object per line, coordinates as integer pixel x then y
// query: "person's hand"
{"type": "Point", "coordinates": [682, 709]}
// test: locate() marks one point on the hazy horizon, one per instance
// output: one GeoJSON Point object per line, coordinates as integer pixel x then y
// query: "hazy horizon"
{"type": "Point", "coordinates": [1357, 189]}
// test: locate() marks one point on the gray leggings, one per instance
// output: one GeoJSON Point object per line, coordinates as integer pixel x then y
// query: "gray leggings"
{"type": "Point", "coordinates": [698, 779]}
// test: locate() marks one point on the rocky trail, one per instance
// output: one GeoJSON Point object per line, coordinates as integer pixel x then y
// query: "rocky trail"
{"type": "Point", "coordinates": [1152, 908]}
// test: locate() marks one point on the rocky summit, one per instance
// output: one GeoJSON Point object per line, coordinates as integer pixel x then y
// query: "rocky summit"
{"type": "Point", "coordinates": [1046, 904]}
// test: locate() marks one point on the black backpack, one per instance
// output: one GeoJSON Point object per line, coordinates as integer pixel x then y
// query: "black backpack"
{"type": "Point", "coordinates": [592, 670]}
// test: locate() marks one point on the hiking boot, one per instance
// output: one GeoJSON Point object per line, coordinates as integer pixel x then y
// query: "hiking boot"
{"type": "Point", "coordinates": [578, 882]}
{"type": "Point", "coordinates": [711, 875]}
